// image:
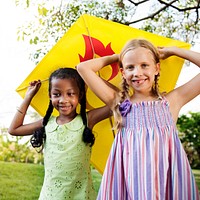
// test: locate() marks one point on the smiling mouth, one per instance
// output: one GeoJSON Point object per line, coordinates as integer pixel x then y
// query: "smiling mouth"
{"type": "Point", "coordinates": [64, 107]}
{"type": "Point", "coordinates": [139, 81]}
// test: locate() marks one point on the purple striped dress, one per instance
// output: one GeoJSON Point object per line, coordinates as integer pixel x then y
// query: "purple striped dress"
{"type": "Point", "coordinates": [147, 160]}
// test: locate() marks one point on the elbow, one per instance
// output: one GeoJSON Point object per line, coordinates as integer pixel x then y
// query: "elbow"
{"type": "Point", "coordinates": [11, 132]}
{"type": "Point", "coordinates": [83, 68]}
{"type": "Point", "coordinates": [80, 68]}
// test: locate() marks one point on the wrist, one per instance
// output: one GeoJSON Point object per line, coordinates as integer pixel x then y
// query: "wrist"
{"type": "Point", "coordinates": [18, 109]}
{"type": "Point", "coordinates": [174, 50]}
{"type": "Point", "coordinates": [114, 58]}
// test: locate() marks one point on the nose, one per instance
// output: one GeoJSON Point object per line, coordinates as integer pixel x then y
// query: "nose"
{"type": "Point", "coordinates": [137, 71]}
{"type": "Point", "coordinates": [63, 99]}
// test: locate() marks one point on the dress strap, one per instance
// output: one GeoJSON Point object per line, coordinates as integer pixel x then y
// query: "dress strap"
{"type": "Point", "coordinates": [162, 96]}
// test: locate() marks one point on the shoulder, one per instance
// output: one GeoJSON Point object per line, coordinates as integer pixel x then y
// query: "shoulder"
{"type": "Point", "coordinates": [175, 103]}
{"type": "Point", "coordinates": [185, 93]}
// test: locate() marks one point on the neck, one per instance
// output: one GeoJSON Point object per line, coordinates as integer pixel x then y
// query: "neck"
{"type": "Point", "coordinates": [63, 119]}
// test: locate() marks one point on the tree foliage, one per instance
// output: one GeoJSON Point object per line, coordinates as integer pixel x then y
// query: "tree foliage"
{"type": "Point", "coordinates": [53, 18]}
{"type": "Point", "coordinates": [177, 19]}
{"type": "Point", "coordinates": [189, 127]}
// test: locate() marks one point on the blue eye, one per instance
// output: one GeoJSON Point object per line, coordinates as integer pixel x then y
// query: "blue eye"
{"type": "Point", "coordinates": [144, 65]}
{"type": "Point", "coordinates": [130, 67]}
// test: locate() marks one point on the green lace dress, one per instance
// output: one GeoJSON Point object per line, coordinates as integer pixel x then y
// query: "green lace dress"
{"type": "Point", "coordinates": [67, 162]}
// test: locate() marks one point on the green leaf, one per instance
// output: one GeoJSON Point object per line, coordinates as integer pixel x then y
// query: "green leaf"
{"type": "Point", "coordinates": [42, 11]}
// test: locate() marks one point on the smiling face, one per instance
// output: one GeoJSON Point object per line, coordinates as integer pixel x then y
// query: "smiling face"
{"type": "Point", "coordinates": [64, 95]}
{"type": "Point", "coordinates": [139, 69]}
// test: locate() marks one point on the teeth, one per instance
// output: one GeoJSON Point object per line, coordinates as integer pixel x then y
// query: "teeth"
{"type": "Point", "coordinates": [138, 81]}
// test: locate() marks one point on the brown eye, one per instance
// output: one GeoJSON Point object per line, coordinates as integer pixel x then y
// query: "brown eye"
{"type": "Point", "coordinates": [71, 94]}
{"type": "Point", "coordinates": [56, 94]}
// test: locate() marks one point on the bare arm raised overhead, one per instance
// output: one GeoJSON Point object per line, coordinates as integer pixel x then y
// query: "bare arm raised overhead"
{"type": "Point", "coordinates": [185, 93]}
{"type": "Point", "coordinates": [88, 70]}
{"type": "Point", "coordinates": [17, 126]}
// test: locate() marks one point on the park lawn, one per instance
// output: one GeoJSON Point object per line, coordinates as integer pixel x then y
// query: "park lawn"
{"type": "Point", "coordinates": [20, 181]}
{"type": "Point", "coordinates": [24, 181]}
{"type": "Point", "coordinates": [196, 173]}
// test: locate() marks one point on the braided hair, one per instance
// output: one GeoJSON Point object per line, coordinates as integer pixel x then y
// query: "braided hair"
{"type": "Point", "coordinates": [125, 92]}
{"type": "Point", "coordinates": [39, 136]}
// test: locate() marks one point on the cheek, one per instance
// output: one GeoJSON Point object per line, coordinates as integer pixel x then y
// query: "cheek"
{"type": "Point", "coordinates": [151, 73]}
{"type": "Point", "coordinates": [76, 99]}
{"type": "Point", "coordinates": [151, 76]}
{"type": "Point", "coordinates": [55, 104]}
{"type": "Point", "coordinates": [128, 75]}
{"type": "Point", "coordinates": [53, 101]}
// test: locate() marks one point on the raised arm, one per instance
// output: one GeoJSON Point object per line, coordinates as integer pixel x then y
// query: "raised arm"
{"type": "Point", "coordinates": [88, 70]}
{"type": "Point", "coordinates": [185, 93]}
{"type": "Point", "coordinates": [97, 115]}
{"type": "Point", "coordinates": [17, 127]}
{"type": "Point", "coordinates": [192, 56]}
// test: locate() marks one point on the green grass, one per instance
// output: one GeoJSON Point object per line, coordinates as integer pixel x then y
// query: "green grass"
{"type": "Point", "coordinates": [24, 181]}
{"type": "Point", "coordinates": [20, 181]}
{"type": "Point", "coordinates": [197, 177]}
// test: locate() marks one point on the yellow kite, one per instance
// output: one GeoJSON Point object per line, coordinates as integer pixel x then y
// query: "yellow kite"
{"type": "Point", "coordinates": [91, 37]}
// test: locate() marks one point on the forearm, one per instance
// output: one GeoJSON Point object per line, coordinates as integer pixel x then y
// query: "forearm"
{"type": "Point", "coordinates": [97, 63]}
{"type": "Point", "coordinates": [22, 109]}
{"type": "Point", "coordinates": [97, 115]}
{"type": "Point", "coordinates": [16, 126]}
{"type": "Point", "coordinates": [88, 71]}
{"type": "Point", "coordinates": [189, 55]}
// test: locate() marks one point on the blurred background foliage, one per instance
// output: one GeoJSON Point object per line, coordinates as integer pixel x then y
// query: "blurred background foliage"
{"type": "Point", "coordinates": [177, 19]}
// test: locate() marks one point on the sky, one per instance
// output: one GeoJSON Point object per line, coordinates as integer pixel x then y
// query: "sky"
{"type": "Point", "coordinates": [15, 65]}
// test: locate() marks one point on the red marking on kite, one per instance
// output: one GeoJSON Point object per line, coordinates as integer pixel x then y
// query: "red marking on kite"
{"type": "Point", "coordinates": [95, 46]}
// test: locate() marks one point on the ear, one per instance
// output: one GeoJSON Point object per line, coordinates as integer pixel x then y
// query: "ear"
{"type": "Point", "coordinates": [157, 69]}
{"type": "Point", "coordinates": [122, 72]}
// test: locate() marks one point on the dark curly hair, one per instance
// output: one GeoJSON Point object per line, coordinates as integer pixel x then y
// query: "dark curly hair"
{"type": "Point", "coordinates": [39, 136]}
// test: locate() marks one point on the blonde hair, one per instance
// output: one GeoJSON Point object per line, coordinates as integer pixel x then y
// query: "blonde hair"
{"type": "Point", "coordinates": [125, 92]}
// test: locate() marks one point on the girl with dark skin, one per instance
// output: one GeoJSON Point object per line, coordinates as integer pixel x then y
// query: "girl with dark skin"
{"type": "Point", "coordinates": [67, 138]}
